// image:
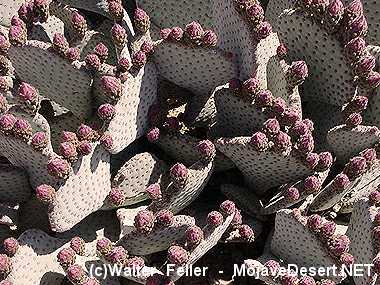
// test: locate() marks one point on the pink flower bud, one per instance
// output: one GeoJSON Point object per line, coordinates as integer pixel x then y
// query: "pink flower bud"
{"type": "Point", "coordinates": [144, 221]}
{"type": "Point", "coordinates": [116, 197]}
{"type": "Point", "coordinates": [154, 191]}
{"type": "Point", "coordinates": [45, 193]}
{"type": "Point", "coordinates": [141, 21]}
{"type": "Point", "coordinates": [214, 219]}
{"type": "Point", "coordinates": [177, 255]}
{"type": "Point", "coordinates": [58, 168]}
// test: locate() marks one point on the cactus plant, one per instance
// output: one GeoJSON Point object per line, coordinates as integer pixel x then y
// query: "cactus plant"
{"type": "Point", "coordinates": [124, 124]}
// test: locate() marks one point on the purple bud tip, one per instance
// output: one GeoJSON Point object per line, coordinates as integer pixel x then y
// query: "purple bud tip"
{"type": "Point", "coordinates": [10, 246]}
{"type": "Point", "coordinates": [305, 143]}
{"type": "Point", "coordinates": [237, 219]}
{"type": "Point", "coordinates": [144, 221]}
{"type": "Point", "coordinates": [135, 262]}
{"type": "Point", "coordinates": [164, 33]}
{"type": "Point", "coordinates": [147, 47]}
{"type": "Point", "coordinates": [78, 245]}
{"type": "Point", "coordinates": [328, 229]}
{"type": "Point", "coordinates": [76, 274]}
{"type": "Point", "coordinates": [341, 182]}
{"type": "Point", "coordinates": [314, 222]}
{"type": "Point", "coordinates": [179, 173]}
{"type": "Point", "coordinates": [358, 27]}
{"type": "Point", "coordinates": [273, 266]}
{"type": "Point", "coordinates": [289, 279]}
{"type": "Point", "coordinates": [106, 112]}
{"type": "Point", "coordinates": [369, 154]}
{"type": "Point", "coordinates": [307, 280]}
{"type": "Point", "coordinates": [279, 106]}
{"type": "Point", "coordinates": [154, 191]}
{"type": "Point", "coordinates": [282, 51]}
{"type": "Point", "coordinates": [60, 43]}
{"type": "Point", "coordinates": [22, 129]}
{"type": "Point", "coordinates": [300, 128]}
{"type": "Point", "coordinates": [210, 39]}
{"type": "Point", "coordinates": [194, 235]}
{"type": "Point", "coordinates": [339, 245]}
{"type": "Point", "coordinates": [111, 86]}
{"type": "Point", "coordinates": [194, 31]}
{"type": "Point", "coordinates": [66, 257]}
{"type": "Point", "coordinates": [164, 218]}
{"type": "Point", "coordinates": [227, 208]}
{"type": "Point", "coordinates": [214, 219]}
{"type": "Point", "coordinates": [101, 51]}
{"type": "Point", "coordinates": [355, 47]}
{"type": "Point", "coordinates": [104, 246]}
{"type": "Point", "coordinates": [158, 279]}
{"type": "Point", "coordinates": [139, 59]}
{"type": "Point", "coordinates": [73, 54]}
{"type": "Point", "coordinates": [327, 282]}
{"type": "Point", "coordinates": [358, 104]}
{"type": "Point", "coordinates": [355, 167]}
{"type": "Point", "coordinates": [246, 233]}
{"type": "Point", "coordinates": [376, 219]}
{"type": "Point", "coordinates": [17, 35]}
{"type": "Point", "coordinates": [116, 197]}
{"type": "Point", "coordinates": [69, 137]}
{"type": "Point", "coordinates": [84, 148]}
{"type": "Point", "coordinates": [45, 193]}
{"type": "Point", "coordinates": [153, 135]}
{"type": "Point", "coordinates": [292, 194]}
{"type": "Point", "coordinates": [353, 120]}
{"type": "Point", "coordinates": [325, 161]}
{"type": "Point", "coordinates": [263, 30]}
{"type": "Point", "coordinates": [27, 92]}
{"type": "Point", "coordinates": [290, 117]}
{"type": "Point", "coordinates": [347, 259]}
{"type": "Point", "coordinates": [106, 141]}
{"type": "Point", "coordinates": [118, 255]}
{"type": "Point", "coordinates": [365, 65]}
{"type": "Point", "coordinates": [4, 44]}
{"type": "Point", "coordinates": [77, 19]}
{"type": "Point", "coordinates": [311, 160]}
{"type": "Point", "coordinates": [93, 61]}
{"type": "Point", "coordinates": [124, 64]}
{"type": "Point", "coordinates": [235, 84]}
{"type": "Point", "coordinates": [255, 13]}
{"type": "Point", "coordinates": [376, 265]}
{"type": "Point", "coordinates": [39, 140]}
{"type": "Point", "coordinates": [177, 255]}
{"type": "Point", "coordinates": [85, 132]}
{"type": "Point", "coordinates": [298, 72]}
{"type": "Point", "coordinates": [374, 197]}
{"type": "Point", "coordinates": [142, 21]}
{"type": "Point", "coordinates": [207, 150]}
{"type": "Point", "coordinates": [312, 184]}
{"type": "Point", "coordinates": [91, 281]}
{"type": "Point", "coordinates": [251, 87]}
{"type": "Point", "coordinates": [372, 80]}
{"type": "Point", "coordinates": [354, 9]}
{"type": "Point", "coordinates": [259, 141]}
{"type": "Point", "coordinates": [116, 10]}
{"type": "Point", "coordinates": [271, 127]}
{"type": "Point", "coordinates": [5, 282]}
{"type": "Point", "coordinates": [175, 34]}
{"type": "Point", "coordinates": [5, 264]}
{"type": "Point", "coordinates": [16, 21]}
{"type": "Point", "coordinates": [119, 35]}
{"type": "Point", "coordinates": [264, 98]}
{"type": "Point", "coordinates": [282, 142]}
{"type": "Point", "coordinates": [68, 150]}
{"type": "Point", "coordinates": [58, 168]}
{"type": "Point", "coordinates": [7, 121]}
